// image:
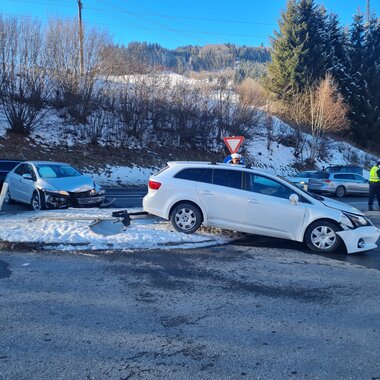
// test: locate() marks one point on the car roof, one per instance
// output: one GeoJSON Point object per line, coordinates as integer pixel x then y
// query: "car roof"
{"type": "Point", "coordinates": [45, 163]}
{"type": "Point", "coordinates": [206, 164]}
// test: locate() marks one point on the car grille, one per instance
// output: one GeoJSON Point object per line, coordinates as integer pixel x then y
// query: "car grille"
{"type": "Point", "coordinates": [84, 198]}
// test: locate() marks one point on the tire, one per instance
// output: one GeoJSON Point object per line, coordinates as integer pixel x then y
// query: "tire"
{"type": "Point", "coordinates": [38, 202]}
{"type": "Point", "coordinates": [340, 192]}
{"type": "Point", "coordinates": [186, 218]}
{"type": "Point", "coordinates": [321, 237]}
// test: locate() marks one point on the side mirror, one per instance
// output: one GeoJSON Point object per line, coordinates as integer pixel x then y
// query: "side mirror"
{"type": "Point", "coordinates": [294, 198]}
{"type": "Point", "coordinates": [27, 176]}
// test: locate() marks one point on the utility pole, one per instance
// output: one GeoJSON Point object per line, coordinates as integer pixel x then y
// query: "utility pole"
{"type": "Point", "coordinates": [80, 6]}
{"type": "Point", "coordinates": [368, 10]}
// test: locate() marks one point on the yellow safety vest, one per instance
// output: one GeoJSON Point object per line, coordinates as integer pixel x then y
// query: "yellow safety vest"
{"type": "Point", "coordinates": [373, 177]}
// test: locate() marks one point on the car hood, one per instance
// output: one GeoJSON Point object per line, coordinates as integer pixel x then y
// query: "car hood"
{"type": "Point", "coordinates": [71, 184]}
{"type": "Point", "coordinates": [340, 206]}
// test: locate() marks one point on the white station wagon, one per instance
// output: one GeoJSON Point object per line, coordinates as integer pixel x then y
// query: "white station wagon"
{"type": "Point", "coordinates": [239, 198]}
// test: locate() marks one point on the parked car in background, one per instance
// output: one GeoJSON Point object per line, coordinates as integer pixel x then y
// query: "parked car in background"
{"type": "Point", "coordinates": [339, 184]}
{"type": "Point", "coordinates": [239, 198]}
{"type": "Point", "coordinates": [5, 167]}
{"type": "Point", "coordinates": [344, 169]}
{"type": "Point", "coordinates": [44, 184]}
{"type": "Point", "coordinates": [301, 179]}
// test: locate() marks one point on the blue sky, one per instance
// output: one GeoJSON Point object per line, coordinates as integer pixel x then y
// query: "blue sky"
{"type": "Point", "coordinates": [177, 23]}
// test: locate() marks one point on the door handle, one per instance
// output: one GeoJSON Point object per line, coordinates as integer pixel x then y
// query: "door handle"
{"type": "Point", "coordinates": [204, 192]}
{"type": "Point", "coordinates": [254, 201]}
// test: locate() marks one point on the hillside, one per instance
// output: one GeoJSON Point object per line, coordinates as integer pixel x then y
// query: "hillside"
{"type": "Point", "coordinates": [55, 138]}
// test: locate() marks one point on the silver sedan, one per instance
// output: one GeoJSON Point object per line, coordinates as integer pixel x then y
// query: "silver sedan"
{"type": "Point", "coordinates": [44, 184]}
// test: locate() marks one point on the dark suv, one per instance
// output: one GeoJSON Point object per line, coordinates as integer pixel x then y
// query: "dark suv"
{"type": "Point", "coordinates": [5, 167]}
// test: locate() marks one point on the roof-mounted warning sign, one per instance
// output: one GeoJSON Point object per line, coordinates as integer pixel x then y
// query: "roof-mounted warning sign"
{"type": "Point", "coordinates": [233, 143]}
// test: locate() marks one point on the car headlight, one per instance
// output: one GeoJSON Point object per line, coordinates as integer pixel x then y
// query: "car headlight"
{"type": "Point", "coordinates": [56, 192]}
{"type": "Point", "coordinates": [98, 190]}
{"type": "Point", "coordinates": [353, 220]}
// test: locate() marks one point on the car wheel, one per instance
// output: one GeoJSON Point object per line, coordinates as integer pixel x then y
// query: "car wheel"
{"type": "Point", "coordinates": [340, 192]}
{"type": "Point", "coordinates": [186, 218]}
{"type": "Point", "coordinates": [321, 237]}
{"type": "Point", "coordinates": [38, 201]}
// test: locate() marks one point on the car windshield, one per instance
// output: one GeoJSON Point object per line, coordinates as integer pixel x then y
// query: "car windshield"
{"type": "Point", "coordinates": [315, 196]}
{"type": "Point", "coordinates": [56, 171]}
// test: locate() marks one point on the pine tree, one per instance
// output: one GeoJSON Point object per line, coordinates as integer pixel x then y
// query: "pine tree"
{"type": "Point", "coordinates": [298, 56]}
{"type": "Point", "coordinates": [371, 76]}
{"type": "Point", "coordinates": [358, 91]}
{"type": "Point", "coordinates": [337, 58]}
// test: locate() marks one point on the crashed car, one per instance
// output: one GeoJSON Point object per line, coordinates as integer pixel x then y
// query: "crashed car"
{"type": "Point", "coordinates": [239, 198]}
{"type": "Point", "coordinates": [51, 185]}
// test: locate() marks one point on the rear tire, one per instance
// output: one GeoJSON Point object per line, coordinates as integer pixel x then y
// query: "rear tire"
{"type": "Point", "coordinates": [340, 192]}
{"type": "Point", "coordinates": [186, 218]}
{"type": "Point", "coordinates": [321, 237]}
{"type": "Point", "coordinates": [38, 201]}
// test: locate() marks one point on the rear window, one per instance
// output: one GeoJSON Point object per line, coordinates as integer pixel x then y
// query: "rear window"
{"type": "Point", "coordinates": [195, 174]}
{"type": "Point", "coordinates": [321, 175]}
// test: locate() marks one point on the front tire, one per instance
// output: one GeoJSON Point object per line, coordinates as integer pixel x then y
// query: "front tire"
{"type": "Point", "coordinates": [38, 201]}
{"type": "Point", "coordinates": [186, 218]}
{"type": "Point", "coordinates": [340, 192]}
{"type": "Point", "coordinates": [321, 237]}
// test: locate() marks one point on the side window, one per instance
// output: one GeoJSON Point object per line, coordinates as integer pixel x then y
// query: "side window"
{"type": "Point", "coordinates": [21, 169]}
{"type": "Point", "coordinates": [29, 170]}
{"type": "Point", "coordinates": [228, 178]}
{"type": "Point", "coordinates": [359, 178]}
{"type": "Point", "coordinates": [344, 176]}
{"type": "Point", "coordinates": [195, 174]}
{"type": "Point", "coordinates": [263, 185]}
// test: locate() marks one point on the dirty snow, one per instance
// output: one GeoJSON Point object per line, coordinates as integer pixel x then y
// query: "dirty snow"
{"type": "Point", "coordinates": [69, 230]}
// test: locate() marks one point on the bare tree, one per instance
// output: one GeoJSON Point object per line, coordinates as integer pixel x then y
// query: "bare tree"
{"type": "Point", "coordinates": [75, 90]}
{"type": "Point", "coordinates": [24, 90]}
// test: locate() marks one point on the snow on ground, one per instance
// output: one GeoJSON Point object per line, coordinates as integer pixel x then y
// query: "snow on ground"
{"type": "Point", "coordinates": [69, 230]}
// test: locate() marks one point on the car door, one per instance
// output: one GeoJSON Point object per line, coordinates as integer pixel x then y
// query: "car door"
{"type": "Point", "coordinates": [222, 199]}
{"type": "Point", "coordinates": [14, 182]}
{"type": "Point", "coordinates": [362, 185]}
{"type": "Point", "coordinates": [267, 209]}
{"type": "Point", "coordinates": [21, 189]}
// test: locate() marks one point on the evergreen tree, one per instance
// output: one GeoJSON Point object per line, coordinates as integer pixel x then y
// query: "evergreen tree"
{"type": "Point", "coordinates": [358, 91]}
{"type": "Point", "coordinates": [337, 58]}
{"type": "Point", "coordinates": [371, 76]}
{"type": "Point", "coordinates": [298, 55]}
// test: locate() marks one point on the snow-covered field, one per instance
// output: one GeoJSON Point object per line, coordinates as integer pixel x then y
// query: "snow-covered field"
{"type": "Point", "coordinates": [69, 230]}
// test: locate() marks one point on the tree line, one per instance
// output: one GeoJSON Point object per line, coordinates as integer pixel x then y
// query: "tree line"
{"type": "Point", "coordinates": [318, 64]}
{"type": "Point", "coordinates": [212, 57]}
{"type": "Point", "coordinates": [40, 73]}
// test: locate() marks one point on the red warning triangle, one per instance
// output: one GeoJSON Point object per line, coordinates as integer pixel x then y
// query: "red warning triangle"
{"type": "Point", "coordinates": [233, 143]}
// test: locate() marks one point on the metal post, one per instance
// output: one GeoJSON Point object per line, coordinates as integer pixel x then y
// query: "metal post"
{"type": "Point", "coordinates": [80, 6]}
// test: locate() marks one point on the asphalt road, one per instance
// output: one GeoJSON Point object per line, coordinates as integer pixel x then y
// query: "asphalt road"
{"type": "Point", "coordinates": [257, 309]}
{"type": "Point", "coordinates": [218, 313]}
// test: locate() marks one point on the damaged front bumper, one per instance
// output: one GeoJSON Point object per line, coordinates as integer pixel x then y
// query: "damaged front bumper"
{"type": "Point", "coordinates": [360, 239]}
{"type": "Point", "coordinates": [72, 199]}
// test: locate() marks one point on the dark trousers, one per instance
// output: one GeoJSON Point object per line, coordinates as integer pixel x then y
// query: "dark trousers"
{"type": "Point", "coordinates": [374, 190]}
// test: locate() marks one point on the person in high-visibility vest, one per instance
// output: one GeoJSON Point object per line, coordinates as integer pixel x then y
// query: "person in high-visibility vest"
{"type": "Point", "coordinates": [374, 185]}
